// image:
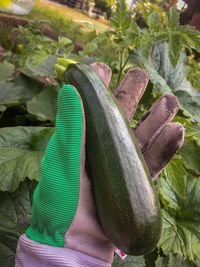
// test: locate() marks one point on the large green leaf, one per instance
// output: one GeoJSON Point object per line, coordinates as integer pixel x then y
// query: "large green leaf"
{"type": "Point", "coordinates": [6, 71]}
{"type": "Point", "coordinates": [176, 77]}
{"type": "Point", "coordinates": [160, 84]}
{"type": "Point", "coordinates": [166, 78]}
{"type": "Point", "coordinates": [190, 153]}
{"type": "Point", "coordinates": [18, 91]}
{"type": "Point", "coordinates": [40, 139]}
{"type": "Point", "coordinates": [174, 49]}
{"type": "Point", "coordinates": [181, 217]}
{"type": "Point", "coordinates": [15, 217]}
{"type": "Point", "coordinates": [189, 106]}
{"type": "Point", "coordinates": [20, 155]}
{"type": "Point", "coordinates": [45, 67]}
{"type": "Point", "coordinates": [176, 174]}
{"type": "Point", "coordinates": [168, 197]}
{"type": "Point", "coordinates": [44, 104]}
{"type": "Point", "coordinates": [173, 260]}
{"type": "Point", "coordinates": [193, 131]}
{"type": "Point", "coordinates": [130, 261]}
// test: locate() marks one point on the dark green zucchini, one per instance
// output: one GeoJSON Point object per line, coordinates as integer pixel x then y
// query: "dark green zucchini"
{"type": "Point", "coordinates": [127, 204]}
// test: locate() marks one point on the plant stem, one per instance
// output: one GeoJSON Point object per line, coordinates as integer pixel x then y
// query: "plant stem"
{"type": "Point", "coordinates": [121, 53]}
{"type": "Point", "coordinates": [122, 64]}
{"type": "Point", "coordinates": [125, 62]}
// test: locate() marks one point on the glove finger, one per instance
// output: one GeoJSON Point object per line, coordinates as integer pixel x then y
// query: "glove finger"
{"type": "Point", "coordinates": [162, 112]}
{"type": "Point", "coordinates": [56, 196]}
{"type": "Point", "coordinates": [103, 71]}
{"type": "Point", "coordinates": [163, 147]}
{"type": "Point", "coordinates": [130, 91]}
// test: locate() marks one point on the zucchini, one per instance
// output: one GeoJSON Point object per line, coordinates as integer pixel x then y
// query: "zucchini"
{"type": "Point", "coordinates": [127, 204]}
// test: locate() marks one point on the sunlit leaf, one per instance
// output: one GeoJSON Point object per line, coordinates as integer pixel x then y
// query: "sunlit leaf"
{"type": "Point", "coordinates": [64, 41]}
{"type": "Point", "coordinates": [45, 66]}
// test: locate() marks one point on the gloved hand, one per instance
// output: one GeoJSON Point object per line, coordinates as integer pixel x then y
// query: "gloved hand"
{"type": "Point", "coordinates": [65, 229]}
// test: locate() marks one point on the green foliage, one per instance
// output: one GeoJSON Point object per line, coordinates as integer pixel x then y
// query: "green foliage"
{"type": "Point", "coordinates": [129, 262]}
{"type": "Point", "coordinates": [174, 260]}
{"type": "Point", "coordinates": [35, 48]}
{"type": "Point", "coordinates": [18, 157]}
{"type": "Point", "coordinates": [144, 8]}
{"type": "Point", "coordinates": [28, 99]}
{"type": "Point", "coordinates": [43, 105]}
{"type": "Point", "coordinates": [15, 217]}
{"type": "Point", "coordinates": [194, 72]}
{"type": "Point", "coordinates": [181, 229]}
{"type": "Point", "coordinates": [166, 78]}
{"type": "Point", "coordinates": [6, 71]}
{"type": "Point", "coordinates": [18, 91]}
{"type": "Point", "coordinates": [128, 38]}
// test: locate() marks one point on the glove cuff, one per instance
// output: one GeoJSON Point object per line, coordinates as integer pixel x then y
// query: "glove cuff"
{"type": "Point", "coordinates": [31, 254]}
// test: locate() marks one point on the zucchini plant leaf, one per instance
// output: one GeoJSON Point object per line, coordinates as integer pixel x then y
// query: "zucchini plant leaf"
{"type": "Point", "coordinates": [19, 157]}
{"type": "Point", "coordinates": [160, 84]}
{"type": "Point", "coordinates": [174, 49]}
{"type": "Point", "coordinates": [176, 174]}
{"type": "Point", "coordinates": [173, 260]}
{"type": "Point", "coordinates": [15, 217]}
{"type": "Point", "coordinates": [166, 78]}
{"type": "Point", "coordinates": [44, 104]}
{"type": "Point", "coordinates": [18, 91]}
{"type": "Point", "coordinates": [176, 78]}
{"type": "Point", "coordinates": [130, 261]}
{"type": "Point", "coordinates": [189, 106]}
{"type": "Point", "coordinates": [45, 68]}
{"type": "Point", "coordinates": [6, 71]}
{"type": "Point", "coordinates": [190, 153]}
{"type": "Point", "coordinates": [193, 132]}
{"type": "Point", "coordinates": [181, 216]}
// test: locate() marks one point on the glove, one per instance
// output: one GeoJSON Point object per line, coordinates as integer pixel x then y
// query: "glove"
{"type": "Point", "coordinates": [65, 229]}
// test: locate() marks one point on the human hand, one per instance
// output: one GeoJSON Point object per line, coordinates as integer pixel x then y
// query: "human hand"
{"type": "Point", "coordinates": [64, 213]}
